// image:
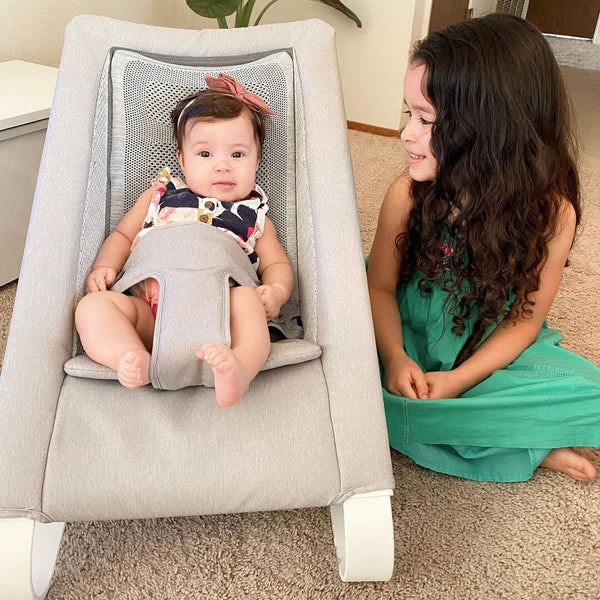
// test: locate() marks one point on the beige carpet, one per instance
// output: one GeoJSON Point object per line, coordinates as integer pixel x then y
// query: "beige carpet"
{"type": "Point", "coordinates": [455, 539]}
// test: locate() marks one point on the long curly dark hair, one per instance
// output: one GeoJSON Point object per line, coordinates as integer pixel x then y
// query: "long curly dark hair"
{"type": "Point", "coordinates": [505, 157]}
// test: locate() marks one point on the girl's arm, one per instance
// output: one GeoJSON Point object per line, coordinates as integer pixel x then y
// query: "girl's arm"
{"type": "Point", "coordinates": [510, 338]}
{"type": "Point", "coordinates": [275, 271]}
{"type": "Point", "coordinates": [116, 247]}
{"type": "Point", "coordinates": [403, 376]}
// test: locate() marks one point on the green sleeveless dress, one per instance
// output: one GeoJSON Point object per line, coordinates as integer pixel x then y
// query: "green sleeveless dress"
{"type": "Point", "coordinates": [501, 429]}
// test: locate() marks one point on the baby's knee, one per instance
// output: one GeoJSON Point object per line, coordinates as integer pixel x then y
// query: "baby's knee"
{"type": "Point", "coordinates": [86, 307]}
{"type": "Point", "coordinates": [90, 304]}
{"type": "Point", "coordinates": [244, 294]}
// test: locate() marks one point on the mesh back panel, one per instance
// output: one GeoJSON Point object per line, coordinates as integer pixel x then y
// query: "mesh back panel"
{"type": "Point", "coordinates": [144, 92]}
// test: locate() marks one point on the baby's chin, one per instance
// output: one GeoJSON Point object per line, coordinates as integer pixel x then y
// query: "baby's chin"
{"type": "Point", "coordinates": [223, 194]}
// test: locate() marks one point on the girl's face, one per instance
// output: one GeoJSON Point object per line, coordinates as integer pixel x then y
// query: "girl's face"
{"type": "Point", "coordinates": [219, 158]}
{"type": "Point", "coordinates": [416, 136]}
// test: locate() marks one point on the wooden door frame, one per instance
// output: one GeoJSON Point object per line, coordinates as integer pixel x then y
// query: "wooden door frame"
{"type": "Point", "coordinates": [595, 38]}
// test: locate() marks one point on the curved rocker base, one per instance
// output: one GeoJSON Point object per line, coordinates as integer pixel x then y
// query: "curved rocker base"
{"type": "Point", "coordinates": [363, 533]}
{"type": "Point", "coordinates": [28, 552]}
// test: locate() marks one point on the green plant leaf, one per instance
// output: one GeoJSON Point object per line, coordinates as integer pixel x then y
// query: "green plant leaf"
{"type": "Point", "coordinates": [339, 6]}
{"type": "Point", "coordinates": [213, 9]}
{"type": "Point", "coordinates": [263, 11]}
{"type": "Point", "coordinates": [242, 18]}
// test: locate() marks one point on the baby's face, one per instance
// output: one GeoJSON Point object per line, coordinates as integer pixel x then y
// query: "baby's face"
{"type": "Point", "coordinates": [219, 158]}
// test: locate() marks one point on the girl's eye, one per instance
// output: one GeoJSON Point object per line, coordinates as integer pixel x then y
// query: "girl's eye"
{"type": "Point", "coordinates": [237, 154]}
{"type": "Point", "coordinates": [205, 154]}
{"type": "Point", "coordinates": [421, 119]}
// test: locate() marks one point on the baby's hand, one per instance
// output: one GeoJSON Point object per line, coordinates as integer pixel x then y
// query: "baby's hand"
{"type": "Point", "coordinates": [270, 296]}
{"type": "Point", "coordinates": [99, 279]}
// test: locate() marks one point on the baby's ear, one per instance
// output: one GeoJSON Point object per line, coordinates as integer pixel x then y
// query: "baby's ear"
{"type": "Point", "coordinates": [180, 159]}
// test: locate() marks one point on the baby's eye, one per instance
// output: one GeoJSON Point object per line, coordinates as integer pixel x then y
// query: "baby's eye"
{"type": "Point", "coordinates": [205, 154]}
{"type": "Point", "coordinates": [425, 121]}
{"type": "Point", "coordinates": [237, 154]}
{"type": "Point", "coordinates": [407, 112]}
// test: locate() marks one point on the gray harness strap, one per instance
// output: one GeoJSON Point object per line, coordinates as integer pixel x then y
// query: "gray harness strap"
{"type": "Point", "coordinates": [194, 265]}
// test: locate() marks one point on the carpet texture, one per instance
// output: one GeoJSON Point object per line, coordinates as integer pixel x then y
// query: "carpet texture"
{"type": "Point", "coordinates": [455, 539]}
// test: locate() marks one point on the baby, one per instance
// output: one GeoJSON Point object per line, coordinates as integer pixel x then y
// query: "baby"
{"type": "Point", "coordinates": [219, 134]}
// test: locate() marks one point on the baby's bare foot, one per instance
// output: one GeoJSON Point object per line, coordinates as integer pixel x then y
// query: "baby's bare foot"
{"type": "Point", "coordinates": [231, 379]}
{"type": "Point", "coordinates": [567, 461]}
{"type": "Point", "coordinates": [133, 368]}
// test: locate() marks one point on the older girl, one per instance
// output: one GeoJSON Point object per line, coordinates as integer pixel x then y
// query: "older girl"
{"type": "Point", "coordinates": [468, 257]}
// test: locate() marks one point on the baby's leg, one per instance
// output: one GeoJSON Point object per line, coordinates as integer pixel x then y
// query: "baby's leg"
{"type": "Point", "coordinates": [234, 368]}
{"type": "Point", "coordinates": [116, 330]}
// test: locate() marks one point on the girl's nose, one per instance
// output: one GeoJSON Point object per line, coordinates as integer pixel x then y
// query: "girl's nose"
{"type": "Point", "coordinates": [406, 134]}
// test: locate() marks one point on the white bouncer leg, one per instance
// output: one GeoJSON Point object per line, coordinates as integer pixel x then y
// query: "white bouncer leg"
{"type": "Point", "coordinates": [363, 532]}
{"type": "Point", "coordinates": [28, 552]}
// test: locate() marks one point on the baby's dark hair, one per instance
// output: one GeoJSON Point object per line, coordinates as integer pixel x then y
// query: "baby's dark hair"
{"type": "Point", "coordinates": [210, 105]}
{"type": "Point", "coordinates": [505, 154]}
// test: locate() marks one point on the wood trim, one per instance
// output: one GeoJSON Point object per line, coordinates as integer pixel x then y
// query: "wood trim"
{"type": "Point", "coordinates": [373, 129]}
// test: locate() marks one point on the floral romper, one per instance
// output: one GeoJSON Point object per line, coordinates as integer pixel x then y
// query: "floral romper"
{"type": "Point", "coordinates": [173, 202]}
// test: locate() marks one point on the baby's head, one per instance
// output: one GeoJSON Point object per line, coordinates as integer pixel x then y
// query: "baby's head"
{"type": "Point", "coordinates": [219, 143]}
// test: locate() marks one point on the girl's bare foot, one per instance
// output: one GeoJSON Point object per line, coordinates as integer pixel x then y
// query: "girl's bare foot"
{"type": "Point", "coordinates": [567, 461]}
{"type": "Point", "coordinates": [133, 368]}
{"type": "Point", "coordinates": [231, 379]}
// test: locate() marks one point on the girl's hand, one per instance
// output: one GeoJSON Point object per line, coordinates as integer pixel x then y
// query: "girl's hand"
{"type": "Point", "coordinates": [99, 279]}
{"type": "Point", "coordinates": [443, 384]}
{"type": "Point", "coordinates": [404, 377]}
{"type": "Point", "coordinates": [270, 296]}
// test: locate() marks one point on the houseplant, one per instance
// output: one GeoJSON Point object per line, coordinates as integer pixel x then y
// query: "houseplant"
{"type": "Point", "coordinates": [219, 9]}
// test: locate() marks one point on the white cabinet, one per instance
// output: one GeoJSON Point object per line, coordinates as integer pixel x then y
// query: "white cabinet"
{"type": "Point", "coordinates": [25, 98]}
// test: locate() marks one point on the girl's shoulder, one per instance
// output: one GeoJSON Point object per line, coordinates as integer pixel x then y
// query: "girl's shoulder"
{"type": "Point", "coordinates": [400, 188]}
{"type": "Point", "coordinates": [567, 215]}
{"type": "Point", "coordinates": [398, 200]}
{"type": "Point", "coordinates": [565, 223]}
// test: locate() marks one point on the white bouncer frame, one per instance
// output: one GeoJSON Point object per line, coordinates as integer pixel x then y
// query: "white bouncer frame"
{"type": "Point", "coordinates": [362, 530]}
{"type": "Point", "coordinates": [28, 552]}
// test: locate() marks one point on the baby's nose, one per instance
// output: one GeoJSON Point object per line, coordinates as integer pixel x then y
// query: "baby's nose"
{"type": "Point", "coordinates": [222, 164]}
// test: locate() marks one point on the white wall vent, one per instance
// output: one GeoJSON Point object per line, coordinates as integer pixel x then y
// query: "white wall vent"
{"type": "Point", "coordinates": [512, 7]}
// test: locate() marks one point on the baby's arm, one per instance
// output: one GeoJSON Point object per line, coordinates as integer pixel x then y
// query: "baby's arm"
{"type": "Point", "coordinates": [274, 270]}
{"type": "Point", "coordinates": [509, 339]}
{"type": "Point", "coordinates": [403, 376]}
{"type": "Point", "coordinates": [116, 247]}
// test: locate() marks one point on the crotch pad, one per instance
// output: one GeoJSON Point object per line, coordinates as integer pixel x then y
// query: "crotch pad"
{"type": "Point", "coordinates": [195, 264]}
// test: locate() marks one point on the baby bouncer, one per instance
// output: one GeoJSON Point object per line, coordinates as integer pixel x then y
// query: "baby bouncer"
{"type": "Point", "coordinates": [77, 446]}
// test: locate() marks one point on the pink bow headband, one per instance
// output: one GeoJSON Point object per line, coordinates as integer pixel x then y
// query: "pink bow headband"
{"type": "Point", "coordinates": [228, 85]}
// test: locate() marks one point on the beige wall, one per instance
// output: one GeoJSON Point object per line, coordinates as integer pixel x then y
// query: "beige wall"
{"type": "Point", "coordinates": [372, 59]}
{"type": "Point", "coordinates": [35, 29]}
